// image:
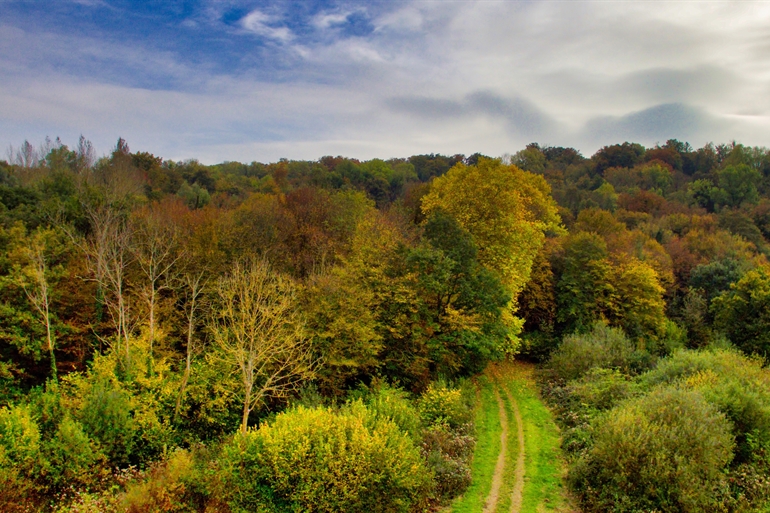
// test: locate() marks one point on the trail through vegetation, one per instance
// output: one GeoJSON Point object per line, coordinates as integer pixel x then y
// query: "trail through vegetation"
{"type": "Point", "coordinates": [518, 483]}
{"type": "Point", "coordinates": [497, 477]}
{"type": "Point", "coordinates": [523, 444]}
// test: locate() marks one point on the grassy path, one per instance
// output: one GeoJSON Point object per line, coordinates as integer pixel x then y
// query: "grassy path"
{"type": "Point", "coordinates": [490, 504]}
{"type": "Point", "coordinates": [488, 429]}
{"type": "Point", "coordinates": [517, 466]}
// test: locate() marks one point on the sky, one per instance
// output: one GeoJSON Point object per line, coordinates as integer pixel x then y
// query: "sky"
{"type": "Point", "coordinates": [238, 80]}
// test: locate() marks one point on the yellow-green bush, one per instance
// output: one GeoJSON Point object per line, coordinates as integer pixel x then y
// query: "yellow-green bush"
{"type": "Point", "coordinates": [604, 347]}
{"type": "Point", "coordinates": [106, 416]}
{"type": "Point", "coordinates": [20, 457]}
{"type": "Point", "coordinates": [71, 457]}
{"type": "Point", "coordinates": [443, 405]}
{"type": "Point", "coordinates": [319, 460]}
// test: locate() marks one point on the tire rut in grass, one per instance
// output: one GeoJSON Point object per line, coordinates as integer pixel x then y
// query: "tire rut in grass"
{"type": "Point", "coordinates": [518, 483]}
{"type": "Point", "coordinates": [497, 478]}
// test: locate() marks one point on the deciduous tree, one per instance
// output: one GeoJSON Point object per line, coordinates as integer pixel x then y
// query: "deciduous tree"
{"type": "Point", "coordinates": [259, 331]}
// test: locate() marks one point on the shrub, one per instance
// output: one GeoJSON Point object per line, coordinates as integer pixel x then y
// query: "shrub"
{"type": "Point", "coordinates": [387, 403]}
{"type": "Point", "coordinates": [448, 455]}
{"type": "Point", "coordinates": [106, 417]}
{"type": "Point", "coordinates": [71, 456]}
{"type": "Point", "coordinates": [666, 451]}
{"type": "Point", "coordinates": [578, 402]}
{"type": "Point", "coordinates": [603, 347]}
{"type": "Point", "coordinates": [20, 457]}
{"type": "Point", "coordinates": [170, 486]}
{"type": "Point", "coordinates": [736, 385]}
{"type": "Point", "coordinates": [321, 460]}
{"type": "Point", "coordinates": [440, 404]}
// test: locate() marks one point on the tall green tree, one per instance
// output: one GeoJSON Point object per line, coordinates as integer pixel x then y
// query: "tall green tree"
{"type": "Point", "coordinates": [506, 210]}
{"type": "Point", "coordinates": [585, 291]}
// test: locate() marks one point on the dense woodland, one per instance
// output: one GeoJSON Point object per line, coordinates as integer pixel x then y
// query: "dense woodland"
{"type": "Point", "coordinates": [302, 335]}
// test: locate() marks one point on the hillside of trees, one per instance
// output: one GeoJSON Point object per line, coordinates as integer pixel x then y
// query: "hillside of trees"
{"type": "Point", "coordinates": [302, 335]}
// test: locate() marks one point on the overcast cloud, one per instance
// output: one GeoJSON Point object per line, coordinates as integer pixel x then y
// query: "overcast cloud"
{"type": "Point", "coordinates": [256, 80]}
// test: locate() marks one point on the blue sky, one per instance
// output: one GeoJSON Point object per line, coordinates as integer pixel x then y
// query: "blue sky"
{"type": "Point", "coordinates": [260, 80]}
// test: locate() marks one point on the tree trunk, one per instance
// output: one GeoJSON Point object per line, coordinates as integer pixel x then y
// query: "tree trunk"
{"type": "Point", "coordinates": [246, 410]}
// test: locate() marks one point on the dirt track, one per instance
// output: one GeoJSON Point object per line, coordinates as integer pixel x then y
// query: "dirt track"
{"type": "Point", "coordinates": [497, 479]}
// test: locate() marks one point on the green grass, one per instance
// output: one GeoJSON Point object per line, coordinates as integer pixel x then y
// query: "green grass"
{"type": "Point", "coordinates": [509, 475]}
{"type": "Point", "coordinates": [488, 430]}
{"type": "Point", "coordinates": [544, 488]}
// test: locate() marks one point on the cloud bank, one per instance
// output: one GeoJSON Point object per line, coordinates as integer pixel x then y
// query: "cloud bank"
{"type": "Point", "coordinates": [245, 80]}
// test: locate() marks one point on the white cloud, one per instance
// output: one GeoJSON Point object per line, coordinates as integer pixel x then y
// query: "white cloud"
{"type": "Point", "coordinates": [326, 20]}
{"type": "Point", "coordinates": [260, 24]}
{"type": "Point", "coordinates": [405, 19]}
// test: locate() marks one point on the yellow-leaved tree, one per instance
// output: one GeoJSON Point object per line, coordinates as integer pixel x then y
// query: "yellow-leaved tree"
{"type": "Point", "coordinates": [507, 211]}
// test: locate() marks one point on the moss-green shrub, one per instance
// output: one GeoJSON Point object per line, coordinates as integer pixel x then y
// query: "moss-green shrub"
{"type": "Point", "coordinates": [388, 403]}
{"type": "Point", "coordinates": [737, 385]}
{"type": "Point", "coordinates": [603, 347]}
{"type": "Point", "coordinates": [71, 456]}
{"type": "Point", "coordinates": [602, 389]}
{"type": "Point", "coordinates": [580, 401]}
{"type": "Point", "coordinates": [666, 451]}
{"type": "Point", "coordinates": [106, 417]}
{"type": "Point", "coordinates": [322, 460]}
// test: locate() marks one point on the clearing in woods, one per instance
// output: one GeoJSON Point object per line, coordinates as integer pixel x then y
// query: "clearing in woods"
{"type": "Point", "coordinates": [517, 465]}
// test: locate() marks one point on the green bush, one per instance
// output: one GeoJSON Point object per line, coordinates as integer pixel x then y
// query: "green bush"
{"type": "Point", "coordinates": [666, 451]}
{"type": "Point", "coordinates": [106, 417]}
{"type": "Point", "coordinates": [387, 403]}
{"type": "Point", "coordinates": [580, 401]}
{"type": "Point", "coordinates": [604, 347]}
{"type": "Point", "coordinates": [737, 385]}
{"type": "Point", "coordinates": [321, 460]}
{"type": "Point", "coordinates": [684, 364]}
{"type": "Point", "coordinates": [71, 456]}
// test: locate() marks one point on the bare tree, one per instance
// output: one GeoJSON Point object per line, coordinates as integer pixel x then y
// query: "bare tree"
{"type": "Point", "coordinates": [258, 329]}
{"type": "Point", "coordinates": [36, 287]}
{"type": "Point", "coordinates": [195, 285]}
{"type": "Point", "coordinates": [107, 254]}
{"type": "Point", "coordinates": [155, 249]}
{"type": "Point", "coordinates": [26, 156]}
{"type": "Point", "coordinates": [85, 155]}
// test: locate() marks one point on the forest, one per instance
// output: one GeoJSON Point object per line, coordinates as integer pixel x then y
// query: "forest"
{"type": "Point", "coordinates": [312, 335]}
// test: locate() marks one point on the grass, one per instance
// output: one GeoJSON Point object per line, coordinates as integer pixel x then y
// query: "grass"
{"type": "Point", "coordinates": [504, 502]}
{"type": "Point", "coordinates": [488, 430]}
{"type": "Point", "coordinates": [544, 488]}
